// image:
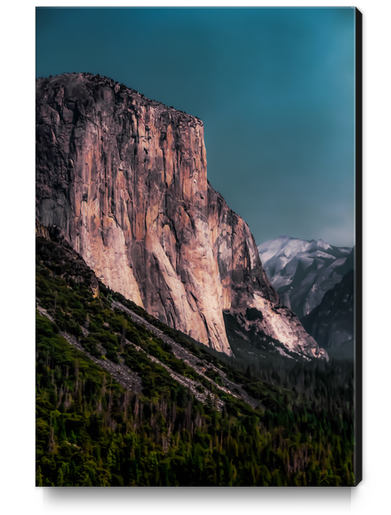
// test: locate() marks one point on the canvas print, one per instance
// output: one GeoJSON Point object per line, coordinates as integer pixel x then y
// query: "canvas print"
{"type": "Point", "coordinates": [198, 247]}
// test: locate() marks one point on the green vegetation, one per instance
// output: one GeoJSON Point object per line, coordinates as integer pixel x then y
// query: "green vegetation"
{"type": "Point", "coordinates": [93, 432]}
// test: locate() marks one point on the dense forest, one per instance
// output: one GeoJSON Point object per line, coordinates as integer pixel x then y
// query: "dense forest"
{"type": "Point", "coordinates": [227, 423]}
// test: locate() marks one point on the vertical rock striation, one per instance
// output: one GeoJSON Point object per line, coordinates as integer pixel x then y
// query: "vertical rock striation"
{"type": "Point", "coordinates": [125, 179]}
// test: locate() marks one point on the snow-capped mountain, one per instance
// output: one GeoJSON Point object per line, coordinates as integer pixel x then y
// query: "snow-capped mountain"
{"type": "Point", "coordinates": [303, 271]}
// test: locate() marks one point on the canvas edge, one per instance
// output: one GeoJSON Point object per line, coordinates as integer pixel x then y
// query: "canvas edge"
{"type": "Point", "coordinates": [358, 271]}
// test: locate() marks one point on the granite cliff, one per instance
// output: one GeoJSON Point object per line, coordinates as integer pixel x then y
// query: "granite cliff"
{"type": "Point", "coordinates": [125, 180]}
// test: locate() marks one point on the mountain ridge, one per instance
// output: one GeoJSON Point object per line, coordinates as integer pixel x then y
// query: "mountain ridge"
{"type": "Point", "coordinates": [303, 270]}
{"type": "Point", "coordinates": [332, 321]}
{"type": "Point", "coordinates": [125, 180]}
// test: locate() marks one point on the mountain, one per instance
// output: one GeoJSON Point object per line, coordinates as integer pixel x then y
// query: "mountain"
{"type": "Point", "coordinates": [331, 323]}
{"type": "Point", "coordinates": [303, 271]}
{"type": "Point", "coordinates": [124, 400]}
{"type": "Point", "coordinates": [124, 180]}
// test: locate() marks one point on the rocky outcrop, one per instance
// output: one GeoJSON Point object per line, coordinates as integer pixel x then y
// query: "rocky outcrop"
{"type": "Point", "coordinates": [125, 179]}
{"type": "Point", "coordinates": [246, 292]}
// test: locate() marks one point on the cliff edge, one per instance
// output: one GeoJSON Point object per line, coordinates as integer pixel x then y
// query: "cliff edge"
{"type": "Point", "coordinates": [125, 179]}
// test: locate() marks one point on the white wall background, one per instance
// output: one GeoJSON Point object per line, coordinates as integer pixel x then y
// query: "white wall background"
{"type": "Point", "coordinates": [18, 494]}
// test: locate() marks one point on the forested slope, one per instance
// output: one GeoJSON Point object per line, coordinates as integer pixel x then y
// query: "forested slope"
{"type": "Point", "coordinates": [121, 404]}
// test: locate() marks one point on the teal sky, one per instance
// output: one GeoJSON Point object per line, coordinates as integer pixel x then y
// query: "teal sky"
{"type": "Point", "coordinates": [274, 87]}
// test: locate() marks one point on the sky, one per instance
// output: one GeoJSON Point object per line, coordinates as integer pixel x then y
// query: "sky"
{"type": "Point", "coordinates": [273, 86]}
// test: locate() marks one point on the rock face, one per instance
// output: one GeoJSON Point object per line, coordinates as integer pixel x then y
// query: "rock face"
{"type": "Point", "coordinates": [303, 271]}
{"type": "Point", "coordinates": [125, 180]}
{"type": "Point", "coordinates": [332, 322]}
